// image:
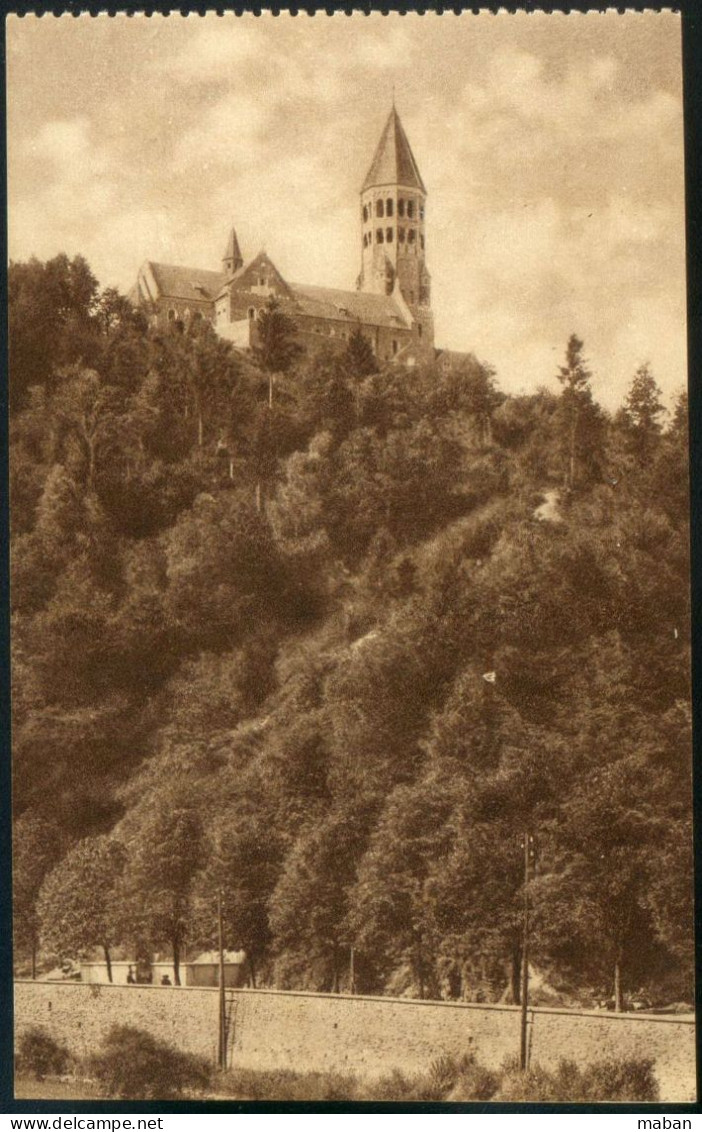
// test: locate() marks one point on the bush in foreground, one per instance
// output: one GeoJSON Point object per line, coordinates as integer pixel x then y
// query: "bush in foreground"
{"type": "Point", "coordinates": [40, 1055]}
{"type": "Point", "coordinates": [135, 1065]}
{"type": "Point", "coordinates": [454, 1080]}
{"type": "Point", "coordinates": [630, 1080]}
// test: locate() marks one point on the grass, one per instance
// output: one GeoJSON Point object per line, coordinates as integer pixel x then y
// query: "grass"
{"type": "Point", "coordinates": [54, 1089]}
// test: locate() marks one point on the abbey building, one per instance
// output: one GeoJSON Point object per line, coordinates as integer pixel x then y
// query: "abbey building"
{"type": "Point", "coordinates": [392, 300]}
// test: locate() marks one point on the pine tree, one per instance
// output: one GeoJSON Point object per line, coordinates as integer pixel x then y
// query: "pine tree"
{"type": "Point", "coordinates": [576, 398]}
{"type": "Point", "coordinates": [643, 409]}
{"type": "Point", "coordinates": [358, 357]}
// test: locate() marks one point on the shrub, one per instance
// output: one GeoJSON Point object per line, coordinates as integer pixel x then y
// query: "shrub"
{"type": "Point", "coordinates": [285, 1085]}
{"type": "Point", "coordinates": [473, 1082]}
{"type": "Point", "coordinates": [136, 1065]}
{"type": "Point", "coordinates": [40, 1054]}
{"type": "Point", "coordinates": [399, 1087]}
{"type": "Point", "coordinates": [630, 1080]}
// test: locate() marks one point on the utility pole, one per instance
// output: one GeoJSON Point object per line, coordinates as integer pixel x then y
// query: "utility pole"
{"type": "Point", "coordinates": [524, 994]}
{"type": "Point", "coordinates": [222, 1044]}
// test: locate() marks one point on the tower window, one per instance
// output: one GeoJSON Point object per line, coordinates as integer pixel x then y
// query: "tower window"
{"type": "Point", "coordinates": [365, 213]}
{"type": "Point", "coordinates": [421, 211]}
{"type": "Point", "coordinates": [379, 208]}
{"type": "Point", "coordinates": [401, 235]}
{"type": "Point", "coordinates": [411, 235]}
{"type": "Point", "coordinates": [394, 345]}
{"type": "Point", "coordinates": [252, 312]}
{"type": "Point", "coordinates": [400, 208]}
{"type": "Point", "coordinates": [419, 329]}
{"type": "Point", "coordinates": [379, 236]}
{"type": "Point", "coordinates": [410, 209]}
{"type": "Point", "coordinates": [388, 236]}
{"type": "Point", "coordinates": [388, 207]}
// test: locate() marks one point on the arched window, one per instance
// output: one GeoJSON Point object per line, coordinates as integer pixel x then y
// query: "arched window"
{"type": "Point", "coordinates": [401, 235]}
{"type": "Point", "coordinates": [419, 329]}
{"type": "Point", "coordinates": [400, 208]}
{"type": "Point", "coordinates": [388, 207]}
{"type": "Point", "coordinates": [186, 315]}
{"type": "Point", "coordinates": [171, 314]}
{"type": "Point", "coordinates": [394, 345]}
{"type": "Point", "coordinates": [411, 236]}
{"type": "Point", "coordinates": [379, 208]}
{"type": "Point", "coordinates": [252, 312]}
{"type": "Point", "coordinates": [379, 236]}
{"type": "Point", "coordinates": [410, 209]}
{"type": "Point", "coordinates": [365, 213]}
{"type": "Point", "coordinates": [388, 235]}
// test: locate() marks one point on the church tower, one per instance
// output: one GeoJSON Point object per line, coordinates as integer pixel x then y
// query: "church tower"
{"type": "Point", "coordinates": [393, 210]}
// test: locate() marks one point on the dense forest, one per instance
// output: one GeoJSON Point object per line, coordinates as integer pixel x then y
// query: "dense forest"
{"type": "Point", "coordinates": [329, 638]}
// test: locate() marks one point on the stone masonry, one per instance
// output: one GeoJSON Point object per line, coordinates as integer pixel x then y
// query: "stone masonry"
{"type": "Point", "coordinates": [355, 1034]}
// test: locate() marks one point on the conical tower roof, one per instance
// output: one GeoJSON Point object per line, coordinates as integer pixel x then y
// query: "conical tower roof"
{"type": "Point", "coordinates": [394, 162]}
{"type": "Point", "coordinates": [232, 250]}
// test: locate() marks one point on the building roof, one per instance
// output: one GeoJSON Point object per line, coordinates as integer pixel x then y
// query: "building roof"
{"type": "Point", "coordinates": [208, 957]}
{"type": "Point", "coordinates": [192, 283]}
{"type": "Point", "coordinates": [394, 162]}
{"type": "Point", "coordinates": [348, 306]}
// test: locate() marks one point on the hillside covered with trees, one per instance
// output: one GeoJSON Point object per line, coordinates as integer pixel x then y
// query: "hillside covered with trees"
{"type": "Point", "coordinates": [329, 640]}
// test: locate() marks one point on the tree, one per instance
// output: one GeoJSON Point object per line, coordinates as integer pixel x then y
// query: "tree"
{"type": "Point", "coordinates": [309, 905]}
{"type": "Point", "coordinates": [86, 412]}
{"type": "Point", "coordinates": [50, 308]}
{"type": "Point", "coordinates": [576, 397]}
{"type": "Point", "coordinates": [224, 574]}
{"type": "Point", "coordinates": [163, 856]}
{"type": "Point", "coordinates": [358, 359]}
{"type": "Point", "coordinates": [390, 918]}
{"type": "Point", "coordinates": [243, 869]}
{"type": "Point", "coordinates": [641, 414]}
{"type": "Point", "coordinates": [36, 845]}
{"type": "Point", "coordinates": [77, 901]}
{"type": "Point", "coordinates": [276, 345]}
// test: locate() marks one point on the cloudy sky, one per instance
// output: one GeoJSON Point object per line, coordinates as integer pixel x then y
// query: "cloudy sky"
{"type": "Point", "coordinates": [550, 145]}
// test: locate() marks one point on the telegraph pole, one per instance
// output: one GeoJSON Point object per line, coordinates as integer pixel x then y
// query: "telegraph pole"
{"type": "Point", "coordinates": [222, 1044]}
{"type": "Point", "coordinates": [524, 994]}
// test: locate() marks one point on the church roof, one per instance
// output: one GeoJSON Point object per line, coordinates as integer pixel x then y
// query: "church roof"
{"type": "Point", "coordinates": [349, 306]}
{"type": "Point", "coordinates": [394, 162]}
{"type": "Point", "coordinates": [232, 250]}
{"type": "Point", "coordinates": [186, 282]}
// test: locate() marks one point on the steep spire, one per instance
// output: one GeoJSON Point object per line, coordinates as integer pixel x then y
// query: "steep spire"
{"type": "Point", "coordinates": [394, 162]}
{"type": "Point", "coordinates": [232, 259]}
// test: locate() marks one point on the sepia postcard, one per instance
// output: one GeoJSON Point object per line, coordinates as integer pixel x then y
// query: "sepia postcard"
{"type": "Point", "coordinates": [348, 425]}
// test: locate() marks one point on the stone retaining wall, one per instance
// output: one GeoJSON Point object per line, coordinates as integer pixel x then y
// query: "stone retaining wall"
{"type": "Point", "coordinates": [363, 1035]}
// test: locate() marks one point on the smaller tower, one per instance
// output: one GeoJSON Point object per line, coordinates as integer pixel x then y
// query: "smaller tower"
{"type": "Point", "coordinates": [232, 259]}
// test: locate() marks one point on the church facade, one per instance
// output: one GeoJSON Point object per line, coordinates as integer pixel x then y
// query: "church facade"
{"type": "Point", "coordinates": [391, 303]}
